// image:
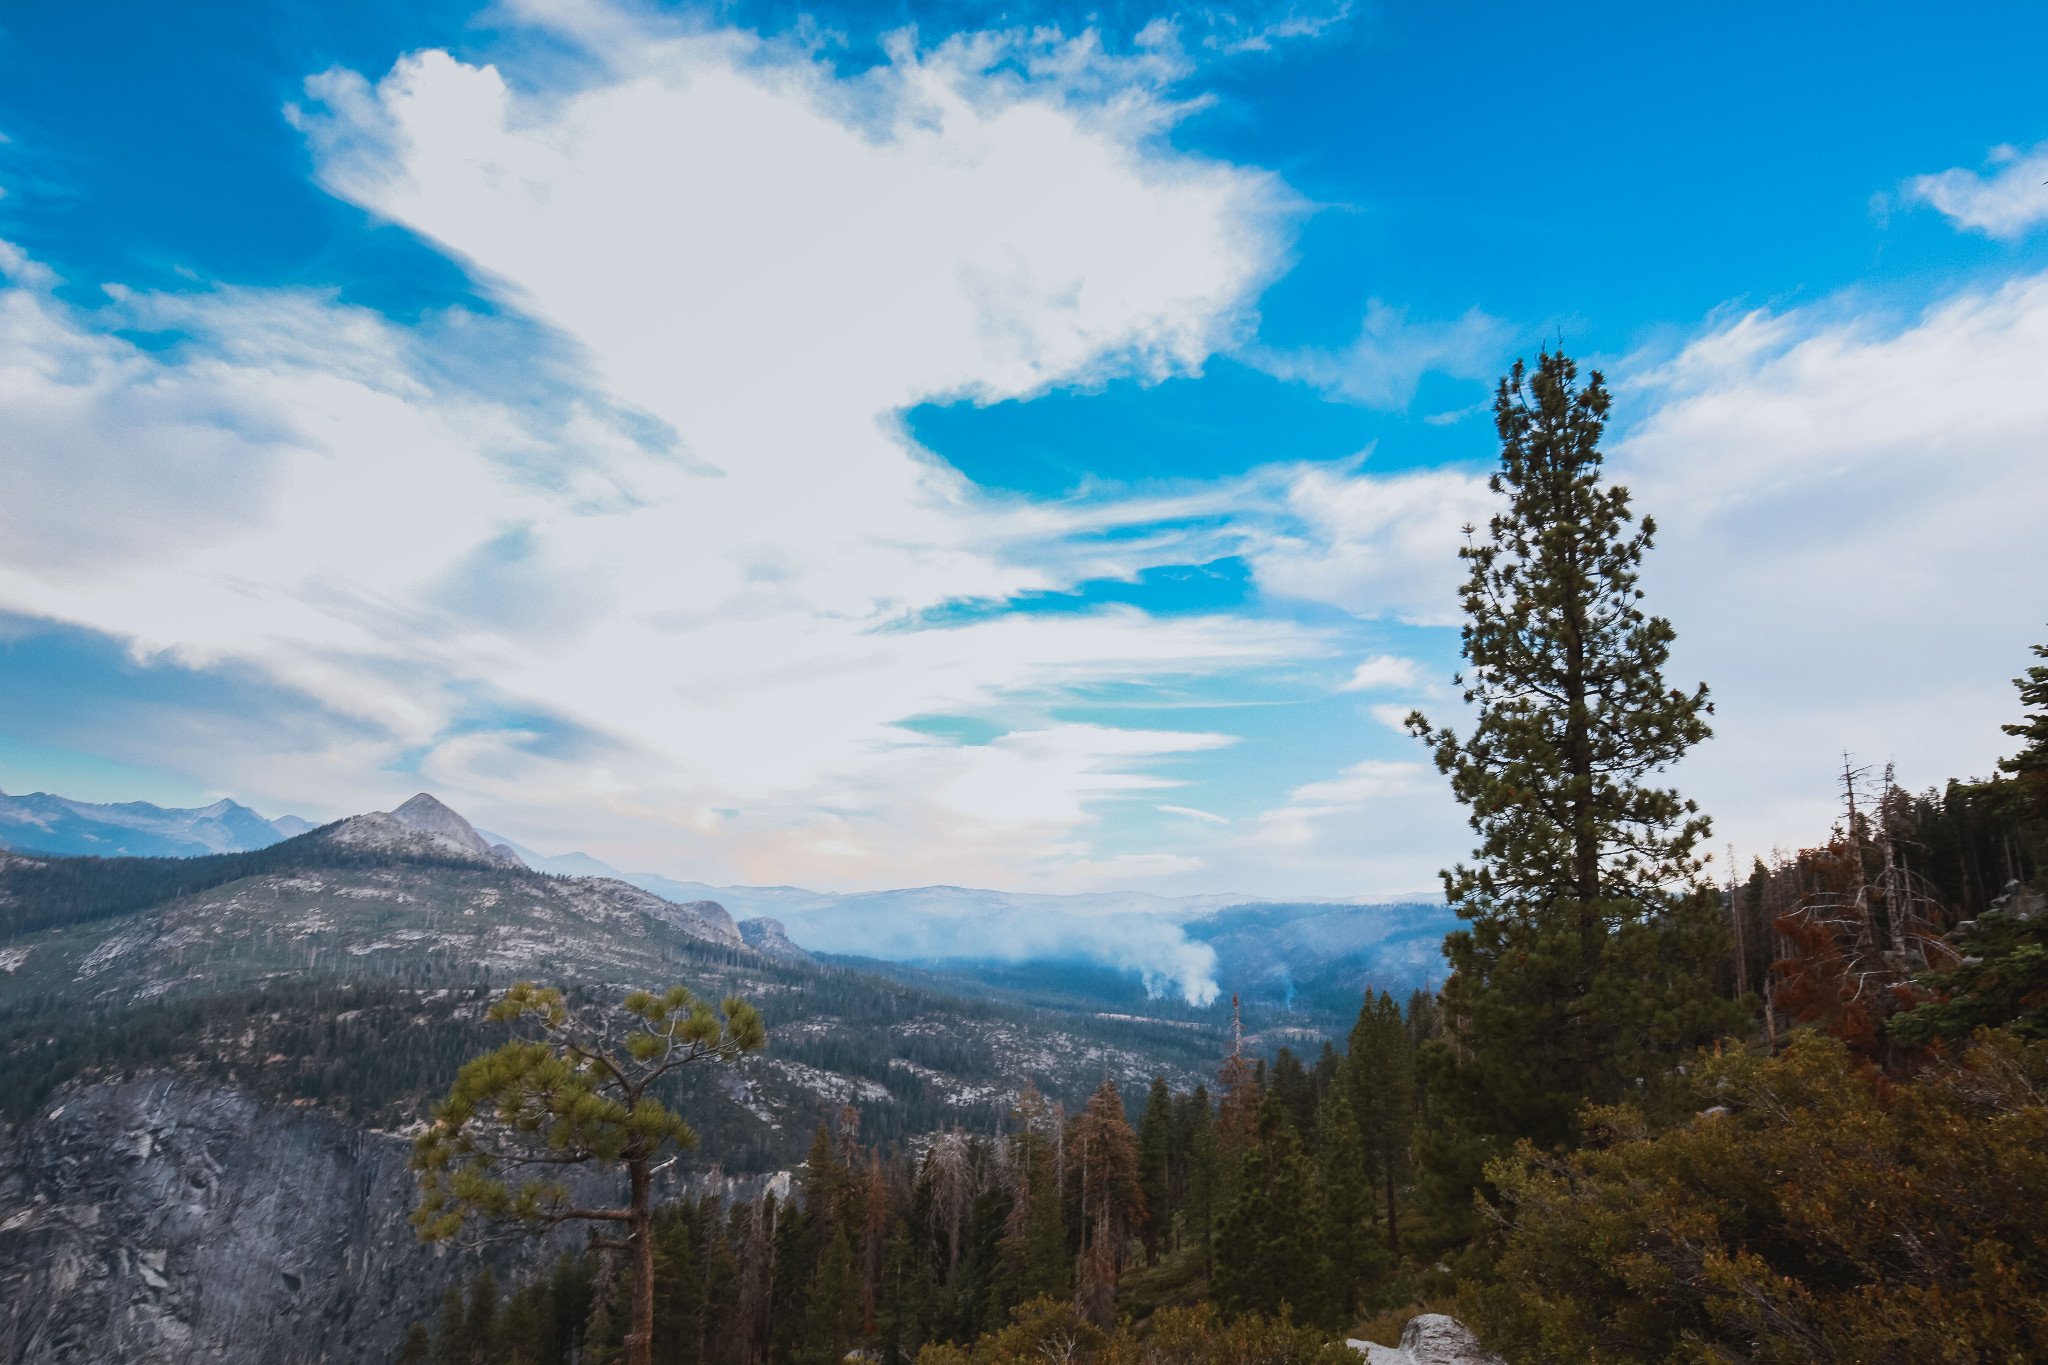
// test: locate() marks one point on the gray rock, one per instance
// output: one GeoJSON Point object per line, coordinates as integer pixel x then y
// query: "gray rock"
{"type": "Point", "coordinates": [765, 935]}
{"type": "Point", "coordinates": [166, 1219]}
{"type": "Point", "coordinates": [1429, 1339]}
{"type": "Point", "coordinates": [422, 825]}
{"type": "Point", "coordinates": [2020, 901]}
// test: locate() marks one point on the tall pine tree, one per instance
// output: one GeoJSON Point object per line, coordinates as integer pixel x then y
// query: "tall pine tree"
{"type": "Point", "coordinates": [1155, 1154]}
{"type": "Point", "coordinates": [1379, 1075]}
{"type": "Point", "coordinates": [1269, 1241]}
{"type": "Point", "coordinates": [1591, 952]}
{"type": "Point", "coordinates": [1347, 1204]}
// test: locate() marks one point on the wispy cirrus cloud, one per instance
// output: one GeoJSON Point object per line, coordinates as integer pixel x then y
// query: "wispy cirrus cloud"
{"type": "Point", "coordinates": [1383, 367]}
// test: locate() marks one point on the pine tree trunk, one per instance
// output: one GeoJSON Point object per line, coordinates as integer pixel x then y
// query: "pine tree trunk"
{"type": "Point", "coordinates": [640, 1237]}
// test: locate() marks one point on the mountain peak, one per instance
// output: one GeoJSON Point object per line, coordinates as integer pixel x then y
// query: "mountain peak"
{"type": "Point", "coordinates": [429, 815]}
{"type": "Point", "coordinates": [425, 816]}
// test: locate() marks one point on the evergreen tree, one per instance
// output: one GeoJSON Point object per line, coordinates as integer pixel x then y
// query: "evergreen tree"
{"type": "Point", "coordinates": [1155, 1159]}
{"type": "Point", "coordinates": [1347, 1204]}
{"type": "Point", "coordinates": [451, 1343]}
{"type": "Point", "coordinates": [1592, 946]}
{"type": "Point", "coordinates": [1379, 1076]}
{"type": "Point", "coordinates": [1014, 1239]}
{"type": "Point", "coordinates": [832, 1309]}
{"type": "Point", "coordinates": [1998, 979]}
{"type": "Point", "coordinates": [604, 1334]}
{"type": "Point", "coordinates": [574, 1094]}
{"type": "Point", "coordinates": [678, 1288]}
{"type": "Point", "coordinates": [2029, 767]}
{"type": "Point", "coordinates": [796, 1255]}
{"type": "Point", "coordinates": [1237, 1115]}
{"type": "Point", "coordinates": [1328, 1063]}
{"type": "Point", "coordinates": [1290, 1081]}
{"type": "Point", "coordinates": [568, 1309]}
{"type": "Point", "coordinates": [1195, 1125]}
{"type": "Point", "coordinates": [1033, 1249]}
{"type": "Point", "coordinates": [418, 1348]}
{"type": "Point", "coordinates": [1269, 1241]}
{"type": "Point", "coordinates": [480, 1322]}
{"type": "Point", "coordinates": [524, 1331]}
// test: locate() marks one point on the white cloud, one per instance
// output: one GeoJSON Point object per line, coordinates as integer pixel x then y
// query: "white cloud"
{"type": "Point", "coordinates": [1379, 828]}
{"type": "Point", "coordinates": [1374, 545]}
{"type": "Point", "coordinates": [1846, 510]}
{"type": "Point", "coordinates": [683, 564]}
{"type": "Point", "coordinates": [1394, 717]}
{"type": "Point", "coordinates": [1384, 673]}
{"type": "Point", "coordinates": [1193, 814]}
{"type": "Point", "coordinates": [1845, 506]}
{"type": "Point", "coordinates": [1383, 367]}
{"type": "Point", "coordinates": [1234, 32]}
{"type": "Point", "coordinates": [2012, 199]}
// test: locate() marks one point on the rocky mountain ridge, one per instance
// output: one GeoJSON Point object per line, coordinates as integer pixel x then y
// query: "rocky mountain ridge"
{"type": "Point", "coordinates": [208, 1091]}
{"type": "Point", "coordinates": [43, 823]}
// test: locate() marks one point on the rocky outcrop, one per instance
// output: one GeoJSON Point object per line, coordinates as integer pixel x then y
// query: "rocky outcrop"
{"type": "Point", "coordinates": [422, 825]}
{"type": "Point", "coordinates": [699, 919]}
{"type": "Point", "coordinates": [166, 1219]}
{"type": "Point", "coordinates": [1429, 1339]}
{"type": "Point", "coordinates": [765, 935]}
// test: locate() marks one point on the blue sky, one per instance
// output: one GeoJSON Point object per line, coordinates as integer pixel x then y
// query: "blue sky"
{"type": "Point", "coordinates": [778, 443]}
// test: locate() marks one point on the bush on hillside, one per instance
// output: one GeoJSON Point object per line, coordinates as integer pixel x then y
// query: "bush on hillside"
{"type": "Point", "coordinates": [1816, 1212]}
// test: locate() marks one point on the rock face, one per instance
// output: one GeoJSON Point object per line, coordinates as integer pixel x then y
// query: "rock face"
{"type": "Point", "coordinates": [162, 1220]}
{"type": "Point", "coordinates": [699, 919]}
{"type": "Point", "coordinates": [168, 1220]}
{"type": "Point", "coordinates": [1430, 1339]}
{"type": "Point", "coordinates": [422, 825]}
{"type": "Point", "coordinates": [765, 935]}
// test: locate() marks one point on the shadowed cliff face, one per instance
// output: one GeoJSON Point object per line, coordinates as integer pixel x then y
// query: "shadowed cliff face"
{"type": "Point", "coordinates": [167, 1220]}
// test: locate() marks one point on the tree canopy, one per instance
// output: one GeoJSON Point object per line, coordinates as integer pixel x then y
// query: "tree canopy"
{"type": "Point", "coordinates": [1592, 945]}
{"type": "Point", "coordinates": [580, 1092]}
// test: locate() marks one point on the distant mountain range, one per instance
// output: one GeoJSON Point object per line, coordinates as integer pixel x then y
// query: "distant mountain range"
{"type": "Point", "coordinates": [1193, 947]}
{"type": "Point", "coordinates": [42, 823]}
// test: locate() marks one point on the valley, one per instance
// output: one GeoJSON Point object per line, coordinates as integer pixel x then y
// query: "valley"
{"type": "Point", "coordinates": [228, 1078]}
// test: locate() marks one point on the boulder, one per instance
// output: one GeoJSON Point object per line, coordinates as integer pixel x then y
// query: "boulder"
{"type": "Point", "coordinates": [1429, 1339]}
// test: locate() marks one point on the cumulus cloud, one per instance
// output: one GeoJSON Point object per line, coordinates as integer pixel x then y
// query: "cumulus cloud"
{"type": "Point", "coordinates": [1844, 501]}
{"type": "Point", "coordinates": [670, 590]}
{"type": "Point", "coordinates": [2005, 203]}
{"type": "Point", "coordinates": [1845, 506]}
{"type": "Point", "coordinates": [1374, 545]}
{"type": "Point", "coordinates": [1384, 673]}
